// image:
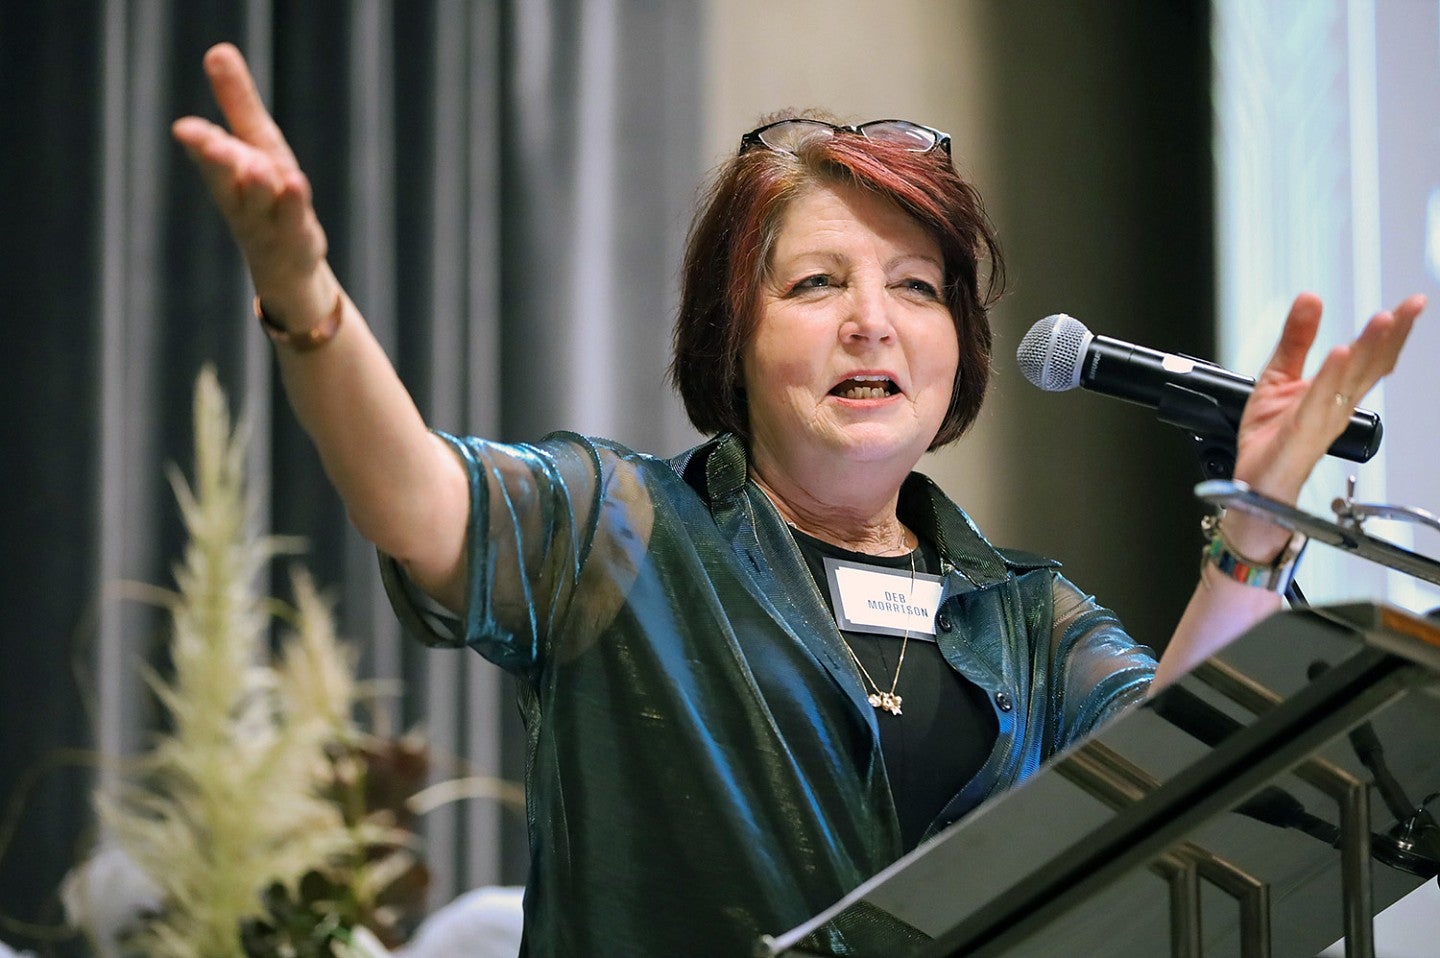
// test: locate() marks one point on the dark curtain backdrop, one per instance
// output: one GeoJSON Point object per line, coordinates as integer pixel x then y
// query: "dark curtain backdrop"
{"type": "Point", "coordinates": [505, 186]}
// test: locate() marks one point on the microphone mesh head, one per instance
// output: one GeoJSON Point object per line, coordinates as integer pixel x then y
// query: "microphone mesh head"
{"type": "Point", "coordinates": [1051, 353]}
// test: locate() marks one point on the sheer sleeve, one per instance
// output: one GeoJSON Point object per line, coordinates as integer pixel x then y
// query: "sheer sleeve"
{"type": "Point", "coordinates": [533, 516]}
{"type": "Point", "coordinates": [1097, 669]}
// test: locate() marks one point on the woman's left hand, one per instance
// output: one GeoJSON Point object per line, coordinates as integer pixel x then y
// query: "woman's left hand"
{"type": "Point", "coordinates": [1291, 421]}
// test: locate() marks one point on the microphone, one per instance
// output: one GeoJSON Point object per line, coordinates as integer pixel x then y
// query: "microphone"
{"type": "Point", "coordinates": [1059, 353]}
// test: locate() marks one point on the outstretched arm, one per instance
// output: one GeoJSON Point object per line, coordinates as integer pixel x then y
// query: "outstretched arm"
{"type": "Point", "coordinates": [1288, 424]}
{"type": "Point", "coordinates": [403, 488]}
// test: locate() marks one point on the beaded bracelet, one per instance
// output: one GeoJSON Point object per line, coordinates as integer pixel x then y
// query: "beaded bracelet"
{"type": "Point", "coordinates": [1274, 576]}
{"type": "Point", "coordinates": [312, 338]}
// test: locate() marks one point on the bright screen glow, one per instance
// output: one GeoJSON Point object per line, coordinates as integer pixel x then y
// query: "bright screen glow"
{"type": "Point", "coordinates": [1327, 144]}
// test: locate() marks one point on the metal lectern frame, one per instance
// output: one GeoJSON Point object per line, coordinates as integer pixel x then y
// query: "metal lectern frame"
{"type": "Point", "coordinates": [1385, 656]}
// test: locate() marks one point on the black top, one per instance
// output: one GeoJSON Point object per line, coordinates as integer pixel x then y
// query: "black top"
{"type": "Point", "coordinates": [946, 728]}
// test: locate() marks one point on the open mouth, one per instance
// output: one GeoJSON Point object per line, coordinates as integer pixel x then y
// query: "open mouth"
{"type": "Point", "coordinates": [865, 387]}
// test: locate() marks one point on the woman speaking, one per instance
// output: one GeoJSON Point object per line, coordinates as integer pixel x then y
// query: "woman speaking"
{"type": "Point", "coordinates": [756, 674]}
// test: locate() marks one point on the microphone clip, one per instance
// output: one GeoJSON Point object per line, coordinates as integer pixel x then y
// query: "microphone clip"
{"type": "Point", "coordinates": [1205, 420]}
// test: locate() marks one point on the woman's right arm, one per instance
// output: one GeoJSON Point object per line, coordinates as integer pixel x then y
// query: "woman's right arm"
{"type": "Point", "coordinates": [403, 487]}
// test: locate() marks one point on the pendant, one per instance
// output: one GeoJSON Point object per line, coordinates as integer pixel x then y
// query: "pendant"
{"type": "Point", "coordinates": [888, 701]}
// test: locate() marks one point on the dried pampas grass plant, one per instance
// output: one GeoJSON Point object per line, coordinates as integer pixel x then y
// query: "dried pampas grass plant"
{"type": "Point", "coordinates": [251, 793]}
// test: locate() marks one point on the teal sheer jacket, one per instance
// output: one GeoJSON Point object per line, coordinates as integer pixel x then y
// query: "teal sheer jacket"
{"type": "Point", "coordinates": [703, 767]}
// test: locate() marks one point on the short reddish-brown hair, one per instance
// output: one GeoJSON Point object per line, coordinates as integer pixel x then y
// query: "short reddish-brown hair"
{"type": "Point", "coordinates": [731, 240]}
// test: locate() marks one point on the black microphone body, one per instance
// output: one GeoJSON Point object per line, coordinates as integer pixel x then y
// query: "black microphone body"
{"type": "Point", "coordinates": [1059, 353]}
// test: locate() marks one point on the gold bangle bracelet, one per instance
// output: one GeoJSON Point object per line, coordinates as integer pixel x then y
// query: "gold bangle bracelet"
{"type": "Point", "coordinates": [312, 338]}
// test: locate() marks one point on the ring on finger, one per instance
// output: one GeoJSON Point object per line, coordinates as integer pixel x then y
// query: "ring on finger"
{"type": "Point", "coordinates": [1341, 399]}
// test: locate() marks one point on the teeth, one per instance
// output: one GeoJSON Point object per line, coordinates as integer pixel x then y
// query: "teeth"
{"type": "Point", "coordinates": [867, 386]}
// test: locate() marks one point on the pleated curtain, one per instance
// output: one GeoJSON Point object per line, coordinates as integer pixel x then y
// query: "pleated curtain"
{"type": "Point", "coordinates": [506, 188]}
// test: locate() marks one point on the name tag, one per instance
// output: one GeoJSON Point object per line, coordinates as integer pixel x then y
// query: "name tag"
{"type": "Point", "coordinates": [867, 599]}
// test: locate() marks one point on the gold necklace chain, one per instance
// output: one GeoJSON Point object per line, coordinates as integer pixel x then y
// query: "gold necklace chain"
{"type": "Point", "coordinates": [888, 701]}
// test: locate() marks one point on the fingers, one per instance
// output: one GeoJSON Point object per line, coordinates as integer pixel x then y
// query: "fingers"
{"type": "Point", "coordinates": [1332, 396]}
{"type": "Point", "coordinates": [240, 177]}
{"type": "Point", "coordinates": [1297, 337]}
{"type": "Point", "coordinates": [249, 169]}
{"type": "Point", "coordinates": [240, 102]}
{"type": "Point", "coordinates": [254, 179]}
{"type": "Point", "coordinates": [292, 209]}
{"type": "Point", "coordinates": [1357, 367]}
{"type": "Point", "coordinates": [1352, 370]}
{"type": "Point", "coordinates": [1290, 421]}
{"type": "Point", "coordinates": [1374, 353]}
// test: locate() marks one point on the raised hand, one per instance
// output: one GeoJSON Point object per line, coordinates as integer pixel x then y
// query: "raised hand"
{"type": "Point", "coordinates": [1290, 421]}
{"type": "Point", "coordinates": [262, 193]}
